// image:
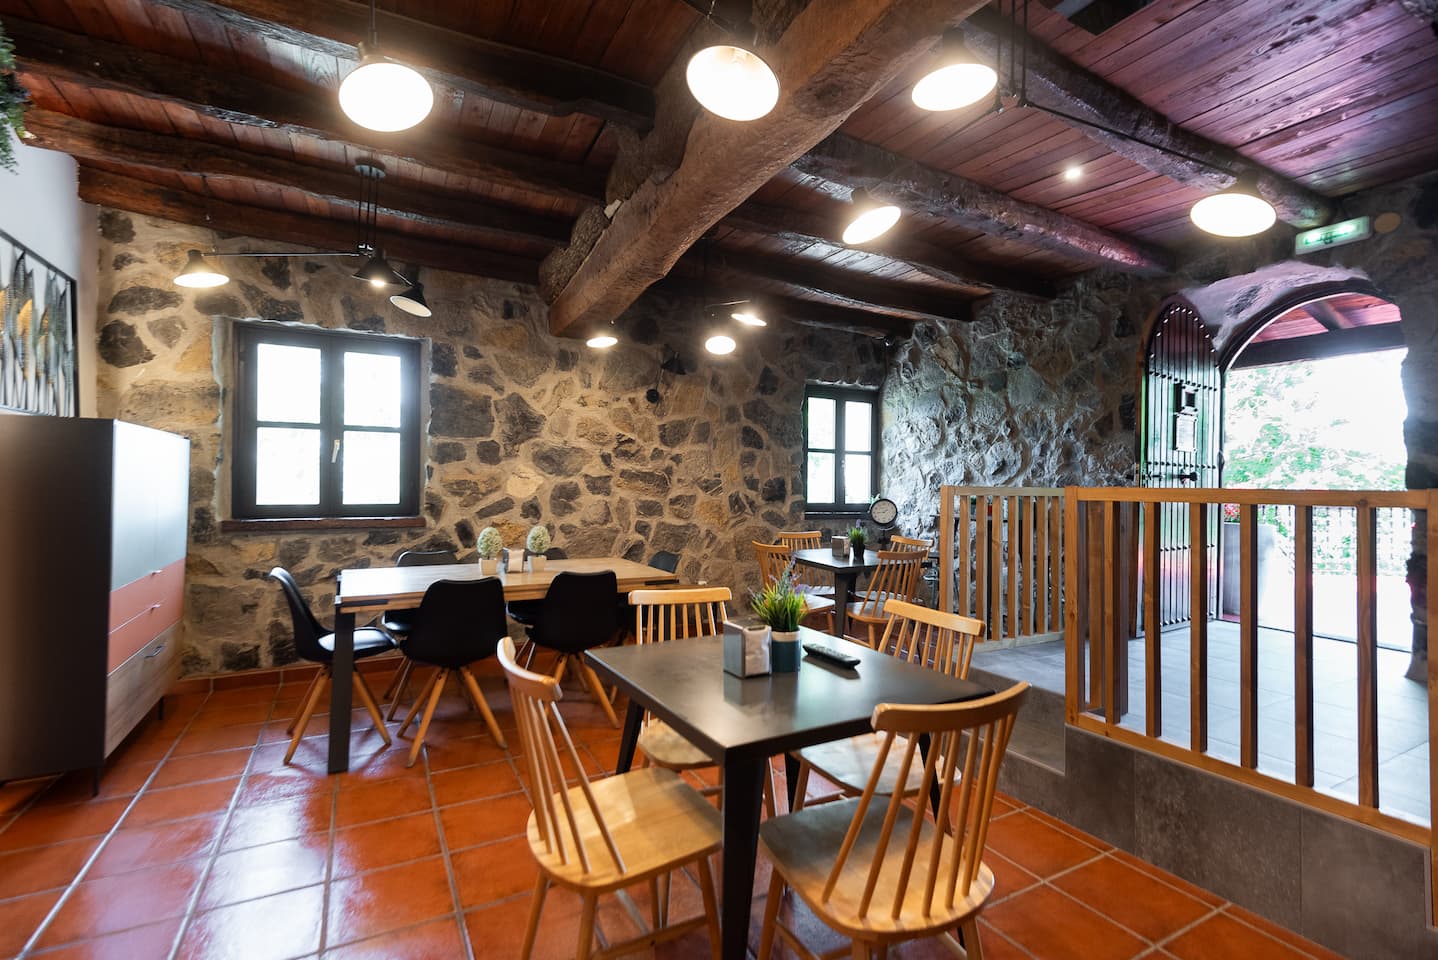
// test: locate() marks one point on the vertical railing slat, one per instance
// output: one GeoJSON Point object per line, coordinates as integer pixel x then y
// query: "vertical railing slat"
{"type": "Point", "coordinates": [1248, 635]}
{"type": "Point", "coordinates": [1198, 627]}
{"type": "Point", "coordinates": [1430, 599]}
{"type": "Point", "coordinates": [1058, 540]}
{"type": "Point", "coordinates": [1026, 566]}
{"type": "Point", "coordinates": [1367, 549]}
{"type": "Point", "coordinates": [1152, 629]}
{"type": "Point", "coordinates": [1041, 567]}
{"type": "Point", "coordinates": [1013, 589]}
{"type": "Point", "coordinates": [981, 564]}
{"type": "Point", "coordinates": [1303, 644]}
{"type": "Point", "coordinates": [1112, 611]}
{"type": "Point", "coordinates": [964, 553]}
{"type": "Point", "coordinates": [1073, 668]}
{"type": "Point", "coordinates": [996, 570]}
{"type": "Point", "coordinates": [946, 549]}
{"type": "Point", "coordinates": [1097, 645]}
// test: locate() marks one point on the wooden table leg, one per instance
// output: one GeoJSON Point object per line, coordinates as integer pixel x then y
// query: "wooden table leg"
{"type": "Point", "coordinates": [743, 796]}
{"type": "Point", "coordinates": [341, 691]}
{"type": "Point", "coordinates": [633, 720]}
{"type": "Point", "coordinates": [791, 777]}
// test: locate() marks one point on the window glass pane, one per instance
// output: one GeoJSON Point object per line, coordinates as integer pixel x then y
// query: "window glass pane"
{"type": "Point", "coordinates": [858, 426]}
{"type": "Point", "coordinates": [288, 385]}
{"type": "Point", "coordinates": [287, 466]}
{"type": "Point", "coordinates": [856, 477]}
{"type": "Point", "coordinates": [372, 391]}
{"type": "Point", "coordinates": [821, 425]}
{"type": "Point", "coordinates": [371, 467]}
{"type": "Point", "coordinates": [821, 478]}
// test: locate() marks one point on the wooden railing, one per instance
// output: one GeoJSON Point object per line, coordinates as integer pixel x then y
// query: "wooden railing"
{"type": "Point", "coordinates": [1136, 554]}
{"type": "Point", "coordinates": [1001, 560]}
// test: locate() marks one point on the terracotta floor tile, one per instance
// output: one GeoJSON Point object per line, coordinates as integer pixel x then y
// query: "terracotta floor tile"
{"type": "Point", "coordinates": [283, 784]}
{"type": "Point", "coordinates": [280, 820]}
{"type": "Point", "coordinates": [1050, 925]}
{"type": "Point", "coordinates": [20, 794]}
{"type": "Point", "coordinates": [1036, 846]}
{"type": "Point", "coordinates": [1009, 877]}
{"type": "Point", "coordinates": [1222, 937]}
{"type": "Point", "coordinates": [178, 803]}
{"type": "Point", "coordinates": [225, 715]}
{"type": "Point", "coordinates": [112, 904]}
{"type": "Point", "coordinates": [480, 821]}
{"type": "Point", "coordinates": [1136, 900]}
{"type": "Point", "coordinates": [448, 755]}
{"type": "Point", "coordinates": [262, 871]}
{"type": "Point", "coordinates": [154, 940]}
{"type": "Point", "coordinates": [388, 798]}
{"type": "Point", "coordinates": [219, 738]}
{"type": "Point", "coordinates": [134, 848]}
{"type": "Point", "coordinates": [180, 771]}
{"type": "Point", "coordinates": [272, 928]}
{"type": "Point", "coordinates": [238, 696]}
{"type": "Point", "coordinates": [1143, 866]}
{"type": "Point", "coordinates": [41, 825]}
{"type": "Point", "coordinates": [20, 917]}
{"type": "Point", "coordinates": [384, 843]}
{"type": "Point", "coordinates": [378, 765]}
{"type": "Point", "coordinates": [435, 940]}
{"type": "Point", "coordinates": [498, 930]}
{"type": "Point", "coordinates": [43, 868]}
{"type": "Point", "coordinates": [494, 871]}
{"type": "Point", "coordinates": [1068, 828]}
{"type": "Point", "coordinates": [473, 783]}
{"type": "Point", "coordinates": [118, 780]}
{"type": "Point", "coordinates": [374, 903]}
{"type": "Point", "coordinates": [1280, 933]}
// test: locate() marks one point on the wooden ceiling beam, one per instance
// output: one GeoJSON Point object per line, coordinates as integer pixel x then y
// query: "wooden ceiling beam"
{"type": "Point", "coordinates": [150, 199]}
{"type": "Point", "coordinates": [1328, 315]}
{"type": "Point", "coordinates": [495, 71]}
{"type": "Point", "coordinates": [1319, 346]}
{"type": "Point", "coordinates": [849, 162]}
{"type": "Point", "coordinates": [833, 56]}
{"type": "Point", "coordinates": [241, 99]}
{"type": "Point", "coordinates": [1170, 150]}
{"type": "Point", "coordinates": [803, 227]}
{"type": "Point", "coordinates": [809, 313]}
{"type": "Point", "coordinates": [92, 141]}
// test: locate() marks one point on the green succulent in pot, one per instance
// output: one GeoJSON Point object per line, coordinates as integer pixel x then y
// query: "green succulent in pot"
{"type": "Point", "coordinates": [778, 605]}
{"type": "Point", "coordinates": [856, 539]}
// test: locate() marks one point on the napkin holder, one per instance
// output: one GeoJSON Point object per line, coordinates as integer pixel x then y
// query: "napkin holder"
{"type": "Point", "coordinates": [839, 546]}
{"type": "Point", "coordinates": [746, 650]}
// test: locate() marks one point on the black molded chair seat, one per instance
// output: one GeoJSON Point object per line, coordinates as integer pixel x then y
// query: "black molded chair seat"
{"type": "Point", "coordinates": [577, 614]}
{"type": "Point", "coordinates": [369, 642]}
{"type": "Point", "coordinates": [398, 622]}
{"type": "Point", "coordinates": [526, 612]}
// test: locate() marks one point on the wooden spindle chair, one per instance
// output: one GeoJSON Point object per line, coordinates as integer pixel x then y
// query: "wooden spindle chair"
{"type": "Point", "coordinates": [602, 836]}
{"type": "Point", "coordinates": [819, 582]}
{"type": "Point", "coordinates": [900, 542]}
{"type": "Point", "coordinates": [774, 559]}
{"type": "Point", "coordinates": [881, 870]}
{"type": "Point", "coordinates": [931, 638]}
{"type": "Point", "coordinates": [896, 578]}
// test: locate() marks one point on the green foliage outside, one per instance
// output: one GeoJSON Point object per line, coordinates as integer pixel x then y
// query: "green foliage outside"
{"type": "Point", "coordinates": [13, 100]}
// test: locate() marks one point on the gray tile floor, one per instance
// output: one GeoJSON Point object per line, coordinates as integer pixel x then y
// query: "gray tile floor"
{"type": "Point", "coordinates": [1402, 707]}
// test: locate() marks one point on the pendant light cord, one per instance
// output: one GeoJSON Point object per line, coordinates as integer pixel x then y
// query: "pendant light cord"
{"type": "Point", "coordinates": [373, 26]}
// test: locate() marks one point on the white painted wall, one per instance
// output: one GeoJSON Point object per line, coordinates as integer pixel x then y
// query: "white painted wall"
{"type": "Point", "coordinates": [40, 208]}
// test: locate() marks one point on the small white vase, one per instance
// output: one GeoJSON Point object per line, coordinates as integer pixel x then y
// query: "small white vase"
{"type": "Point", "coordinates": [536, 563]}
{"type": "Point", "coordinates": [489, 566]}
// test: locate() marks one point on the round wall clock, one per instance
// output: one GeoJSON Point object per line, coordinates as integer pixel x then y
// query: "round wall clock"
{"type": "Point", "coordinates": [883, 511]}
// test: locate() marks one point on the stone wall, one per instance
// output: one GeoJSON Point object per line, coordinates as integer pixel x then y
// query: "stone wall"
{"type": "Point", "coordinates": [522, 428]}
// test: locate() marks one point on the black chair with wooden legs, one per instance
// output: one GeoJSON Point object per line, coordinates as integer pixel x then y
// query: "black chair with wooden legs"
{"type": "Point", "coordinates": [397, 623]}
{"type": "Point", "coordinates": [316, 644]}
{"type": "Point", "coordinates": [577, 614]}
{"type": "Point", "coordinates": [458, 623]}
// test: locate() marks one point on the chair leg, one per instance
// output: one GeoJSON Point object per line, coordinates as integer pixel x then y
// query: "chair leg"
{"type": "Point", "coordinates": [664, 884]}
{"type": "Point", "coordinates": [306, 713]}
{"type": "Point", "coordinates": [394, 681]}
{"type": "Point", "coordinates": [532, 928]}
{"type": "Point", "coordinates": [801, 784]}
{"type": "Point", "coordinates": [771, 916]}
{"type": "Point", "coordinates": [973, 948]}
{"type": "Point", "coordinates": [477, 695]}
{"type": "Point", "coordinates": [366, 696]}
{"type": "Point", "coordinates": [396, 692]}
{"type": "Point", "coordinates": [769, 799]}
{"type": "Point", "coordinates": [559, 668]}
{"type": "Point", "coordinates": [597, 688]}
{"type": "Point", "coordinates": [309, 691]}
{"type": "Point", "coordinates": [859, 951]}
{"type": "Point", "coordinates": [711, 904]}
{"type": "Point", "coordinates": [655, 923]}
{"type": "Point", "coordinates": [586, 928]}
{"type": "Point", "coordinates": [439, 679]}
{"type": "Point", "coordinates": [418, 703]}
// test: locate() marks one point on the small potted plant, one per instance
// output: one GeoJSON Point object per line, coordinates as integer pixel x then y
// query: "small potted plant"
{"type": "Point", "coordinates": [489, 545]}
{"type": "Point", "coordinates": [537, 543]}
{"type": "Point", "coordinates": [856, 542]}
{"type": "Point", "coordinates": [780, 607]}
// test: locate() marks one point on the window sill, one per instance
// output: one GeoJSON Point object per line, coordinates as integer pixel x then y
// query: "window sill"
{"type": "Point", "coordinates": [317, 523]}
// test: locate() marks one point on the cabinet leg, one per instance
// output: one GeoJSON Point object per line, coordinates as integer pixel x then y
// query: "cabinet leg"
{"type": "Point", "coordinates": [160, 710]}
{"type": "Point", "coordinates": [95, 780]}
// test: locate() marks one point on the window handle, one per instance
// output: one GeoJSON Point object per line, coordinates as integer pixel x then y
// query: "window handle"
{"type": "Point", "coordinates": [335, 453]}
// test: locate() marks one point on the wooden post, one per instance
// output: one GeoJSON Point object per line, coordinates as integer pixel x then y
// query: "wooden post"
{"type": "Point", "coordinates": [1073, 665]}
{"type": "Point", "coordinates": [1094, 562]}
{"type": "Point", "coordinates": [1303, 644]}
{"type": "Point", "coordinates": [1367, 545]}
{"type": "Point", "coordinates": [981, 564]}
{"type": "Point", "coordinates": [965, 556]}
{"type": "Point", "coordinates": [1248, 635]}
{"type": "Point", "coordinates": [1014, 546]}
{"type": "Point", "coordinates": [1026, 566]}
{"type": "Point", "coordinates": [1043, 559]}
{"type": "Point", "coordinates": [1431, 598]}
{"type": "Point", "coordinates": [946, 549]}
{"type": "Point", "coordinates": [996, 568]}
{"type": "Point", "coordinates": [1125, 561]}
{"type": "Point", "coordinates": [1198, 626]}
{"type": "Point", "coordinates": [1057, 542]}
{"type": "Point", "coordinates": [1114, 651]}
{"type": "Point", "coordinates": [1152, 629]}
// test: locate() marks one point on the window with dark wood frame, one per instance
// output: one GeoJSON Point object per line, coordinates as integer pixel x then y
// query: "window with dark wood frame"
{"type": "Point", "coordinates": [841, 448]}
{"type": "Point", "coordinates": [326, 424]}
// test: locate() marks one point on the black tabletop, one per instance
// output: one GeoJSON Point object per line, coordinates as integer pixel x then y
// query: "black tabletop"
{"type": "Point", "coordinates": [684, 683]}
{"type": "Point", "coordinates": [824, 559]}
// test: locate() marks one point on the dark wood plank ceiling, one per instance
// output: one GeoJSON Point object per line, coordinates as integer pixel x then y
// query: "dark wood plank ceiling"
{"type": "Point", "coordinates": [1338, 95]}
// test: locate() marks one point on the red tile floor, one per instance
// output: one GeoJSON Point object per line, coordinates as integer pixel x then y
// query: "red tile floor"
{"type": "Point", "coordinates": [202, 844]}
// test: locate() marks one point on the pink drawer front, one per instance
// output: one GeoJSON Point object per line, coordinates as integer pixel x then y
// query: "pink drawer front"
{"type": "Point", "coordinates": [143, 609]}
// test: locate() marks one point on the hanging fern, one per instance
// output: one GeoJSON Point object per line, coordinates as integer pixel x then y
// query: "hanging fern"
{"type": "Point", "coordinates": [13, 100]}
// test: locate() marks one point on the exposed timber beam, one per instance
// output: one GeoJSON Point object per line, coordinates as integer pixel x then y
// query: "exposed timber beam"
{"type": "Point", "coordinates": [1328, 315]}
{"type": "Point", "coordinates": [801, 226]}
{"type": "Point", "coordinates": [141, 196]}
{"type": "Point", "coordinates": [1060, 84]}
{"type": "Point", "coordinates": [842, 159]}
{"type": "Point", "coordinates": [240, 99]}
{"type": "Point", "coordinates": [808, 313]}
{"type": "Point", "coordinates": [1318, 346]}
{"type": "Point", "coordinates": [833, 56]}
{"type": "Point", "coordinates": [92, 141]}
{"type": "Point", "coordinates": [496, 71]}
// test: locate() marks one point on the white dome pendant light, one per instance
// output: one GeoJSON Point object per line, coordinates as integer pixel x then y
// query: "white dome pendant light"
{"type": "Point", "coordinates": [732, 81]}
{"type": "Point", "coordinates": [870, 218]}
{"type": "Point", "coordinates": [381, 94]}
{"type": "Point", "coordinates": [957, 80]}
{"type": "Point", "coordinates": [1238, 211]}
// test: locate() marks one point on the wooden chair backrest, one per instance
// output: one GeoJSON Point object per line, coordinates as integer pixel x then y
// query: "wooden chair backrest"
{"type": "Point", "coordinates": [967, 746]}
{"type": "Point", "coordinates": [901, 542]}
{"type": "Point", "coordinates": [661, 615]}
{"type": "Point", "coordinates": [896, 578]}
{"type": "Point", "coordinates": [801, 539]}
{"type": "Point", "coordinates": [931, 638]}
{"type": "Point", "coordinates": [562, 824]}
{"type": "Point", "coordinates": [773, 558]}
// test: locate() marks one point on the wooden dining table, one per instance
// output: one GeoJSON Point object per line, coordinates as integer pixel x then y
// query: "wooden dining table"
{"type": "Point", "coordinates": [368, 590]}
{"type": "Point", "coordinates": [846, 570]}
{"type": "Point", "coordinates": [741, 723]}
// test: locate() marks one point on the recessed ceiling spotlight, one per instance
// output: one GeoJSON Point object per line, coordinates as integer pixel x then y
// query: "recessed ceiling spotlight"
{"type": "Point", "coordinates": [602, 341]}
{"type": "Point", "coordinates": [720, 344]}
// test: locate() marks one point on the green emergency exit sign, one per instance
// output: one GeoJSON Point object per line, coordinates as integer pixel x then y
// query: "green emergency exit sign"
{"type": "Point", "coordinates": [1333, 235]}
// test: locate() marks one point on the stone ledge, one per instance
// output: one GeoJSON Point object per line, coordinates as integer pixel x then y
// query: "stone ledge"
{"type": "Point", "coordinates": [318, 523]}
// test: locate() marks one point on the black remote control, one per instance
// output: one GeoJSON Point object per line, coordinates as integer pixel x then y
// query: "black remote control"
{"type": "Point", "coordinates": [832, 655]}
